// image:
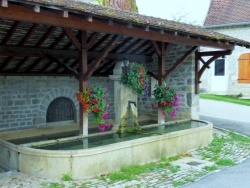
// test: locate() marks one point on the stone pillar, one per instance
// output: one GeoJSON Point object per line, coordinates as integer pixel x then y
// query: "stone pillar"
{"type": "Point", "coordinates": [122, 96]}
{"type": "Point", "coordinates": [161, 117]}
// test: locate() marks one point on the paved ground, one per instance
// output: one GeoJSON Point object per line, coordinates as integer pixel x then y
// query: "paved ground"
{"type": "Point", "coordinates": [233, 177]}
{"type": "Point", "coordinates": [235, 118]}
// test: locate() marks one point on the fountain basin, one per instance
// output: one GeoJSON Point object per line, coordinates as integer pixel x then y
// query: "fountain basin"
{"type": "Point", "coordinates": [91, 162]}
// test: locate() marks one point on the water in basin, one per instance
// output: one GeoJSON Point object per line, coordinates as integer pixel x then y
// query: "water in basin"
{"type": "Point", "coordinates": [105, 139]}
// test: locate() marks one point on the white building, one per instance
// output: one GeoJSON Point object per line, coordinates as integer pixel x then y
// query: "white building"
{"type": "Point", "coordinates": [229, 75]}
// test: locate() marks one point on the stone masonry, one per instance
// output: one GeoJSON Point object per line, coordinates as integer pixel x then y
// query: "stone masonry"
{"type": "Point", "coordinates": [24, 100]}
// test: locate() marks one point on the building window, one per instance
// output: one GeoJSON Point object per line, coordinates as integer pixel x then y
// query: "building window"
{"type": "Point", "coordinates": [244, 68]}
{"type": "Point", "coordinates": [219, 67]}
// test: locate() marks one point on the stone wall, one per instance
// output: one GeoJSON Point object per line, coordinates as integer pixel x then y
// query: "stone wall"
{"type": "Point", "coordinates": [24, 100]}
{"type": "Point", "coordinates": [182, 79]}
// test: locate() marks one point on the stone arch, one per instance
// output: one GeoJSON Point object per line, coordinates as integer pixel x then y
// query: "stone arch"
{"type": "Point", "coordinates": [52, 95]}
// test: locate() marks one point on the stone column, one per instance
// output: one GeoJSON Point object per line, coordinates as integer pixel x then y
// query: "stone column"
{"type": "Point", "coordinates": [122, 96]}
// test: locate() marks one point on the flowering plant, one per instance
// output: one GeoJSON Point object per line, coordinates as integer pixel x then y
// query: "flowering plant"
{"type": "Point", "coordinates": [95, 100]}
{"type": "Point", "coordinates": [167, 98]}
{"type": "Point", "coordinates": [135, 76]}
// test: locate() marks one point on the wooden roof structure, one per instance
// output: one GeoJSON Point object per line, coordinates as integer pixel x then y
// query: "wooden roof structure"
{"type": "Point", "coordinates": [69, 37]}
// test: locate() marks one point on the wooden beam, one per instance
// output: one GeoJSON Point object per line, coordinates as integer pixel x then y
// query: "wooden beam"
{"type": "Point", "coordinates": [5, 63]}
{"type": "Point", "coordinates": [10, 32]}
{"type": "Point", "coordinates": [73, 38]}
{"type": "Point", "coordinates": [202, 60]}
{"type": "Point", "coordinates": [83, 82]}
{"type": "Point", "coordinates": [178, 62]}
{"type": "Point", "coordinates": [20, 64]}
{"type": "Point", "coordinates": [69, 69]}
{"type": "Point", "coordinates": [139, 48]}
{"type": "Point", "coordinates": [65, 54]}
{"type": "Point", "coordinates": [45, 36]}
{"type": "Point", "coordinates": [118, 47]}
{"type": "Point", "coordinates": [36, 52]}
{"type": "Point", "coordinates": [212, 53]}
{"type": "Point", "coordinates": [58, 40]}
{"type": "Point", "coordinates": [33, 65]}
{"type": "Point", "coordinates": [161, 63]}
{"type": "Point", "coordinates": [28, 35]}
{"type": "Point", "coordinates": [130, 47]}
{"type": "Point", "coordinates": [196, 72]}
{"type": "Point", "coordinates": [92, 40]}
{"type": "Point", "coordinates": [102, 55]}
{"type": "Point", "coordinates": [153, 75]}
{"type": "Point", "coordinates": [46, 66]}
{"type": "Point", "coordinates": [156, 47]}
{"type": "Point", "coordinates": [54, 18]}
{"type": "Point", "coordinates": [216, 55]}
{"type": "Point", "coordinates": [102, 40]}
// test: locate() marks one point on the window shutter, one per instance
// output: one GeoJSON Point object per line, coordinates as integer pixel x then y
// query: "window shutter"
{"type": "Point", "coordinates": [244, 68]}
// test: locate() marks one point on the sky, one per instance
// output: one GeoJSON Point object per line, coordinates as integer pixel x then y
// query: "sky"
{"type": "Point", "coordinates": [189, 11]}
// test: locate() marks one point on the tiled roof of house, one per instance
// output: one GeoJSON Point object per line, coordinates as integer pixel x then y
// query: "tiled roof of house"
{"type": "Point", "coordinates": [223, 12]}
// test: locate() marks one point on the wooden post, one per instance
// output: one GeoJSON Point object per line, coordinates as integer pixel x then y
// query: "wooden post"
{"type": "Point", "coordinates": [83, 83]}
{"type": "Point", "coordinates": [161, 72]}
{"type": "Point", "coordinates": [197, 68]}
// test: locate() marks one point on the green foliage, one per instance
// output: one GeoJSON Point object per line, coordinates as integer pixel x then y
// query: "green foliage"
{"type": "Point", "coordinates": [135, 77]}
{"type": "Point", "coordinates": [177, 183]}
{"type": "Point", "coordinates": [225, 162]}
{"type": "Point", "coordinates": [211, 168]}
{"type": "Point", "coordinates": [224, 98]}
{"type": "Point", "coordinates": [174, 169]}
{"type": "Point", "coordinates": [67, 177]}
{"type": "Point", "coordinates": [52, 185]}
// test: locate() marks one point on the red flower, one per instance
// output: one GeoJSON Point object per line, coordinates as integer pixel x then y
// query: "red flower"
{"type": "Point", "coordinates": [89, 91]}
{"type": "Point", "coordinates": [168, 103]}
{"type": "Point", "coordinates": [96, 109]}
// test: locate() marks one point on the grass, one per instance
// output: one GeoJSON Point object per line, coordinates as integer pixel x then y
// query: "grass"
{"type": "Point", "coordinates": [216, 152]}
{"type": "Point", "coordinates": [226, 98]}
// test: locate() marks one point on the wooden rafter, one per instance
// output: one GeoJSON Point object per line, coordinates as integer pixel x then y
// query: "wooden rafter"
{"type": "Point", "coordinates": [73, 38]}
{"type": "Point", "coordinates": [69, 69]}
{"type": "Point", "coordinates": [28, 35]}
{"type": "Point", "coordinates": [92, 40]}
{"type": "Point", "coordinates": [120, 46]}
{"type": "Point", "coordinates": [102, 55]}
{"type": "Point", "coordinates": [100, 42]}
{"type": "Point", "coordinates": [58, 40]}
{"type": "Point", "coordinates": [45, 36]}
{"type": "Point", "coordinates": [20, 64]}
{"type": "Point", "coordinates": [179, 61]}
{"type": "Point", "coordinates": [34, 64]}
{"type": "Point", "coordinates": [10, 32]}
{"type": "Point", "coordinates": [130, 46]}
{"type": "Point", "coordinates": [5, 63]}
{"type": "Point", "coordinates": [139, 48]}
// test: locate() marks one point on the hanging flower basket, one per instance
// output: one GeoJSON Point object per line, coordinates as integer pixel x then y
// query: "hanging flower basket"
{"type": "Point", "coordinates": [135, 77]}
{"type": "Point", "coordinates": [95, 100]}
{"type": "Point", "coordinates": [168, 99]}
